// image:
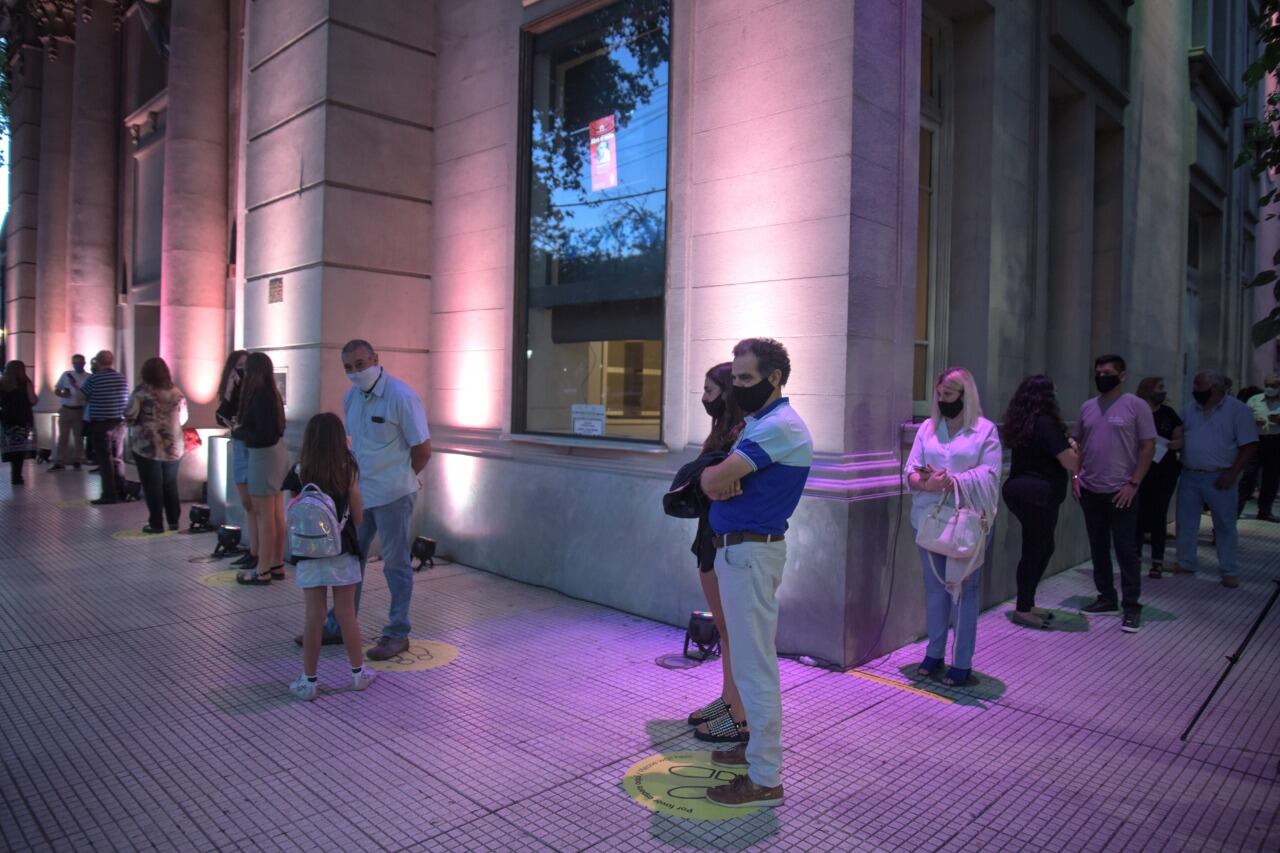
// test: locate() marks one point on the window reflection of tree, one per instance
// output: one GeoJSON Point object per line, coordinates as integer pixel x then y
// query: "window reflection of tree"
{"type": "Point", "coordinates": [616, 70]}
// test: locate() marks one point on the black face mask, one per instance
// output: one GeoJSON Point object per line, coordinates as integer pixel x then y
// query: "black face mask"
{"type": "Point", "coordinates": [1202, 397]}
{"type": "Point", "coordinates": [951, 409]}
{"type": "Point", "coordinates": [1159, 397]}
{"type": "Point", "coordinates": [1105, 382]}
{"type": "Point", "coordinates": [715, 408]}
{"type": "Point", "coordinates": [752, 397]}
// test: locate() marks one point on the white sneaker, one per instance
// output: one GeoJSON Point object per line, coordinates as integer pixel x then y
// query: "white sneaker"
{"type": "Point", "coordinates": [362, 679]}
{"type": "Point", "coordinates": [303, 689]}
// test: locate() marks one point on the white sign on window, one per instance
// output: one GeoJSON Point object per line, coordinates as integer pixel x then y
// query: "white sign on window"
{"type": "Point", "coordinates": [587, 419]}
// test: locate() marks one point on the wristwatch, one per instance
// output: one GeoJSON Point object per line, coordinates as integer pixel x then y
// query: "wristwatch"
{"type": "Point", "coordinates": [1134, 483]}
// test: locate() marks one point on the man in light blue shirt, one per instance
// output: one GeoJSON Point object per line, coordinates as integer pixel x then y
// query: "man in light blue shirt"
{"type": "Point", "coordinates": [1219, 439]}
{"type": "Point", "coordinates": [387, 426]}
{"type": "Point", "coordinates": [755, 490]}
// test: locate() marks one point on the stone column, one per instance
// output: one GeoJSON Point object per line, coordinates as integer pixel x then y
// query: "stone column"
{"type": "Point", "coordinates": [338, 191]}
{"type": "Point", "coordinates": [1071, 184]}
{"type": "Point", "coordinates": [193, 243]}
{"type": "Point", "coordinates": [51, 346]}
{"type": "Point", "coordinates": [26, 67]}
{"type": "Point", "coordinates": [91, 238]}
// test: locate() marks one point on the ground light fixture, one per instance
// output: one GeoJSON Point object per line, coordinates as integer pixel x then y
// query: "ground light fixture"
{"type": "Point", "coordinates": [424, 551]}
{"type": "Point", "coordinates": [199, 518]}
{"type": "Point", "coordinates": [703, 634]}
{"type": "Point", "coordinates": [228, 541]}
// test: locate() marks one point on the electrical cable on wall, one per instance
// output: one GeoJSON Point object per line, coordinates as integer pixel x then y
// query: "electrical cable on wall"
{"type": "Point", "coordinates": [891, 562]}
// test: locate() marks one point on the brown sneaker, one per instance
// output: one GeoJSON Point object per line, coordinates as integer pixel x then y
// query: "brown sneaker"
{"type": "Point", "coordinates": [734, 759]}
{"type": "Point", "coordinates": [1175, 569]}
{"type": "Point", "coordinates": [387, 648]}
{"type": "Point", "coordinates": [1230, 582]}
{"type": "Point", "coordinates": [742, 793]}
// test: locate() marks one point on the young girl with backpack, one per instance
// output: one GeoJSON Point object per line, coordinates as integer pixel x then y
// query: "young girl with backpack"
{"type": "Point", "coordinates": [321, 523]}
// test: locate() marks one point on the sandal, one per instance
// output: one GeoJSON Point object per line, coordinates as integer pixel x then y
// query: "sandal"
{"type": "Point", "coordinates": [715, 710]}
{"type": "Point", "coordinates": [724, 730]}
{"type": "Point", "coordinates": [249, 577]}
{"type": "Point", "coordinates": [277, 572]}
{"type": "Point", "coordinates": [929, 667]}
{"type": "Point", "coordinates": [959, 677]}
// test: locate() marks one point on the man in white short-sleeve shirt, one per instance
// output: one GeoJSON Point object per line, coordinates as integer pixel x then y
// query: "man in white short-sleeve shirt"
{"type": "Point", "coordinates": [387, 426]}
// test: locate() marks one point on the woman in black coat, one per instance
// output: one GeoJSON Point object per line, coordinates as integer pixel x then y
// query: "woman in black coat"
{"type": "Point", "coordinates": [17, 418]}
{"type": "Point", "coordinates": [724, 720]}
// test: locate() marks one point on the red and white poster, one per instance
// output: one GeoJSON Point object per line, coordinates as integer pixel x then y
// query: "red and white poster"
{"type": "Point", "coordinates": [604, 154]}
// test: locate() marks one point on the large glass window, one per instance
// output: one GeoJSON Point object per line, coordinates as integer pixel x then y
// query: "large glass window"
{"type": "Point", "coordinates": [593, 260]}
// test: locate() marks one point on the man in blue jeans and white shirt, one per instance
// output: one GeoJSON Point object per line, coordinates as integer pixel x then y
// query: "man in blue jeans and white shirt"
{"type": "Point", "coordinates": [1219, 440]}
{"type": "Point", "coordinates": [387, 426]}
{"type": "Point", "coordinates": [754, 492]}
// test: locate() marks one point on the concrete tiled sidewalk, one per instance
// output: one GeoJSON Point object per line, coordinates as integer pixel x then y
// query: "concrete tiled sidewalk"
{"type": "Point", "coordinates": [144, 710]}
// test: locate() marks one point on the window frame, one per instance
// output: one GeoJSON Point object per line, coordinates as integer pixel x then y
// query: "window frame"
{"type": "Point", "coordinates": [937, 116]}
{"type": "Point", "coordinates": [520, 305]}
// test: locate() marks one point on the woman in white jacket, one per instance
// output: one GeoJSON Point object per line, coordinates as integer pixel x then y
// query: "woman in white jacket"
{"type": "Point", "coordinates": [956, 451]}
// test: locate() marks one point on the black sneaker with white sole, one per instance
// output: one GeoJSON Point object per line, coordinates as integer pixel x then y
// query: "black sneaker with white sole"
{"type": "Point", "coordinates": [1101, 606]}
{"type": "Point", "coordinates": [1132, 622]}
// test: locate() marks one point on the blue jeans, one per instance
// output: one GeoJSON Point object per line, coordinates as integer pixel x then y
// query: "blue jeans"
{"type": "Point", "coordinates": [392, 522]}
{"type": "Point", "coordinates": [938, 611]}
{"type": "Point", "coordinates": [239, 462]}
{"type": "Point", "coordinates": [1195, 489]}
{"type": "Point", "coordinates": [749, 574]}
{"type": "Point", "coordinates": [160, 488]}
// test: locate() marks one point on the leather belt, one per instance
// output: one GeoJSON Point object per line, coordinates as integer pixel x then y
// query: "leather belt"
{"type": "Point", "coordinates": [1204, 470]}
{"type": "Point", "coordinates": [738, 538]}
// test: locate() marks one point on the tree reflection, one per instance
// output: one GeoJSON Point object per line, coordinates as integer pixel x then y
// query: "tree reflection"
{"type": "Point", "coordinates": [617, 66]}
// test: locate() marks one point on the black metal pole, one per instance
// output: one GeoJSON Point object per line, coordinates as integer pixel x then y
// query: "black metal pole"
{"type": "Point", "coordinates": [1234, 659]}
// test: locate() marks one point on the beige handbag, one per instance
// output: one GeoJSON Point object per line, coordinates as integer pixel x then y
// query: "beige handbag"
{"type": "Point", "coordinates": [954, 531]}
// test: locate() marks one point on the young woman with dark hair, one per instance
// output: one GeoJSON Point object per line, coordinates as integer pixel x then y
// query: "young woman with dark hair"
{"type": "Point", "coordinates": [724, 720]}
{"type": "Point", "coordinates": [17, 418]}
{"type": "Point", "coordinates": [261, 428]}
{"type": "Point", "coordinates": [1156, 492]}
{"type": "Point", "coordinates": [155, 414]}
{"type": "Point", "coordinates": [327, 463]}
{"type": "Point", "coordinates": [228, 415]}
{"type": "Point", "coordinates": [1043, 460]}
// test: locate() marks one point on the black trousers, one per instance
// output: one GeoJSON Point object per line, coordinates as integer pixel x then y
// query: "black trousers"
{"type": "Point", "coordinates": [1154, 496]}
{"type": "Point", "coordinates": [1034, 504]}
{"type": "Point", "coordinates": [1109, 526]}
{"type": "Point", "coordinates": [160, 488]}
{"type": "Point", "coordinates": [108, 447]}
{"type": "Point", "coordinates": [16, 461]}
{"type": "Point", "coordinates": [1268, 457]}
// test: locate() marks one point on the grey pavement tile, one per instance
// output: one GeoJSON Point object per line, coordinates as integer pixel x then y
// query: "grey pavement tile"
{"type": "Point", "coordinates": [145, 710]}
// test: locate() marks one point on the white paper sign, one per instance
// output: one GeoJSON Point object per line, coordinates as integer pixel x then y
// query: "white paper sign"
{"type": "Point", "coordinates": [1162, 447]}
{"type": "Point", "coordinates": [587, 419]}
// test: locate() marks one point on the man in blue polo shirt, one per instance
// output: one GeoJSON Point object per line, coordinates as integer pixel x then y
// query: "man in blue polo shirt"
{"type": "Point", "coordinates": [1219, 440]}
{"type": "Point", "coordinates": [754, 492]}
{"type": "Point", "coordinates": [107, 393]}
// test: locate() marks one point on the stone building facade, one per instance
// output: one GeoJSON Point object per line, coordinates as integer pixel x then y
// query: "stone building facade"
{"type": "Point", "coordinates": [552, 216]}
